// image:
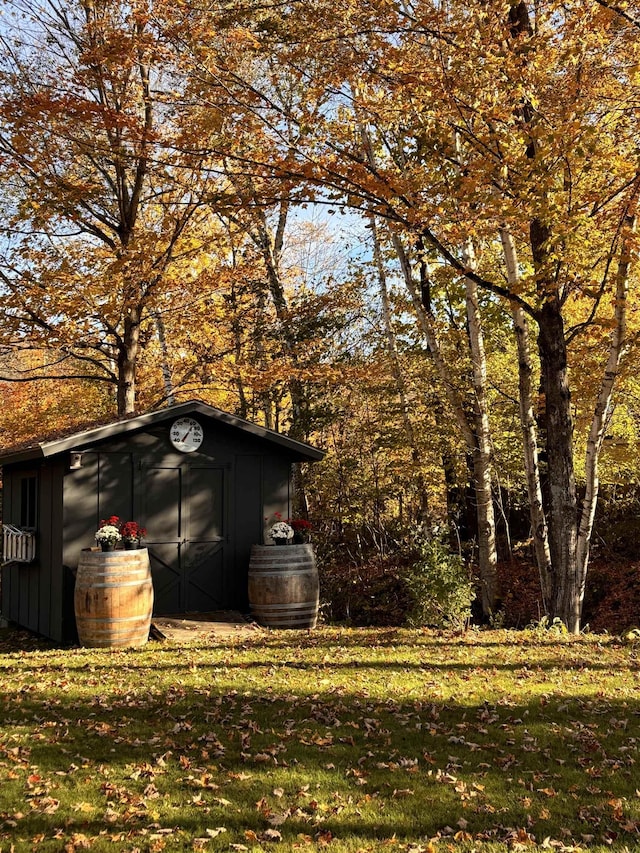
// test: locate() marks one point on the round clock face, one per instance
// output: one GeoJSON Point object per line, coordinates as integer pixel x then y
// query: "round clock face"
{"type": "Point", "coordinates": [186, 435]}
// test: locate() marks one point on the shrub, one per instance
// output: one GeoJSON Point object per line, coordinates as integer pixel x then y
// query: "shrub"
{"type": "Point", "coordinates": [441, 588]}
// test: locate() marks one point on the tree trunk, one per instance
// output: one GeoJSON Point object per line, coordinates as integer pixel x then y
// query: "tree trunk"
{"type": "Point", "coordinates": [427, 325]}
{"type": "Point", "coordinates": [167, 381]}
{"type": "Point", "coordinates": [237, 328]}
{"type": "Point", "coordinates": [128, 347]}
{"type": "Point", "coordinates": [528, 426]}
{"type": "Point", "coordinates": [557, 419]}
{"type": "Point", "coordinates": [392, 349]}
{"type": "Point", "coordinates": [558, 425]}
{"type": "Point", "coordinates": [270, 246]}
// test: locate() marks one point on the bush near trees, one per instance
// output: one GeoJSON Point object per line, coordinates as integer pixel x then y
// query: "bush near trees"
{"type": "Point", "coordinates": [441, 587]}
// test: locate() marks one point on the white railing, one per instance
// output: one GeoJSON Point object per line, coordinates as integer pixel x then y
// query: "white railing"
{"type": "Point", "coordinates": [18, 546]}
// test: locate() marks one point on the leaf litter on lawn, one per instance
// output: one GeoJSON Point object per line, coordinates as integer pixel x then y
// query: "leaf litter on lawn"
{"type": "Point", "coordinates": [346, 739]}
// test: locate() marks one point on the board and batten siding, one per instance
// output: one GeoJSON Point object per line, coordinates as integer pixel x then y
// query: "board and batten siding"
{"type": "Point", "coordinates": [33, 593]}
{"type": "Point", "coordinates": [262, 488]}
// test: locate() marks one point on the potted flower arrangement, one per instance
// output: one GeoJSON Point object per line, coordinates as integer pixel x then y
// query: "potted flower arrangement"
{"type": "Point", "coordinates": [131, 533]}
{"type": "Point", "coordinates": [301, 529]}
{"type": "Point", "coordinates": [281, 532]}
{"type": "Point", "coordinates": [108, 534]}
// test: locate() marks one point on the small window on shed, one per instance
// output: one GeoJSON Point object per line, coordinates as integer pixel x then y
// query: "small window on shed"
{"type": "Point", "coordinates": [28, 502]}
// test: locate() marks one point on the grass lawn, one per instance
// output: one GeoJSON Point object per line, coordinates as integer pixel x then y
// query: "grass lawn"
{"type": "Point", "coordinates": [336, 739]}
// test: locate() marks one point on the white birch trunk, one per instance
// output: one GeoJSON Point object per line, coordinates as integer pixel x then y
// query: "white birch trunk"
{"type": "Point", "coordinates": [477, 435]}
{"type": "Point", "coordinates": [482, 456]}
{"type": "Point", "coordinates": [425, 321]}
{"type": "Point", "coordinates": [601, 415]}
{"type": "Point", "coordinates": [392, 346]}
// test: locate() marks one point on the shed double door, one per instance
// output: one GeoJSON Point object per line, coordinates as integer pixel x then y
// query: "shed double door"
{"type": "Point", "coordinates": [186, 520]}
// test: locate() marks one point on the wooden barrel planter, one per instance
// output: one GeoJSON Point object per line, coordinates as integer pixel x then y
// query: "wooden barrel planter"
{"type": "Point", "coordinates": [113, 598]}
{"type": "Point", "coordinates": [283, 586]}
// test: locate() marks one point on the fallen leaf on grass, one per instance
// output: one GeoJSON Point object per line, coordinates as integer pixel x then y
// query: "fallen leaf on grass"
{"type": "Point", "coordinates": [86, 808]}
{"type": "Point", "coordinates": [270, 835]}
{"type": "Point", "coordinates": [78, 842]}
{"type": "Point", "coordinates": [45, 805]}
{"type": "Point", "coordinates": [463, 836]}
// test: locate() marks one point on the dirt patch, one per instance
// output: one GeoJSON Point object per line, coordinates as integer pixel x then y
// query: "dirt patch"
{"type": "Point", "coordinates": [186, 627]}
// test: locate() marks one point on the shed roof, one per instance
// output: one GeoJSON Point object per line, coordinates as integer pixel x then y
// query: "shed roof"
{"type": "Point", "coordinates": [298, 450]}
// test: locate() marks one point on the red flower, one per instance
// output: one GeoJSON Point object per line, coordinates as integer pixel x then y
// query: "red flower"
{"type": "Point", "coordinates": [132, 530]}
{"type": "Point", "coordinates": [300, 525]}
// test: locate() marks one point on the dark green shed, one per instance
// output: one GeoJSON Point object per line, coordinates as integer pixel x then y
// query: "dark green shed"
{"type": "Point", "coordinates": [203, 482]}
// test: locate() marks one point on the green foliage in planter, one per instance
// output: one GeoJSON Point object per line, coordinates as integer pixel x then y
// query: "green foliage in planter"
{"type": "Point", "coordinates": [441, 587]}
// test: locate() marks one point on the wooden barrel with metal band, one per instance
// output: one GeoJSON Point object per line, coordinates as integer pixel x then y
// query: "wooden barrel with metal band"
{"type": "Point", "coordinates": [113, 598]}
{"type": "Point", "coordinates": [283, 586]}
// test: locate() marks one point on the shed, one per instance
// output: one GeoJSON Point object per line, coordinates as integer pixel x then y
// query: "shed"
{"type": "Point", "coordinates": [203, 482]}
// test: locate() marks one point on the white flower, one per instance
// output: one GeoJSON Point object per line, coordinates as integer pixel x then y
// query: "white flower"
{"type": "Point", "coordinates": [108, 533]}
{"type": "Point", "coordinates": [281, 530]}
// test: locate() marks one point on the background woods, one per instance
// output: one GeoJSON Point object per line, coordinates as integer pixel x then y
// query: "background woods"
{"type": "Point", "coordinates": [405, 233]}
